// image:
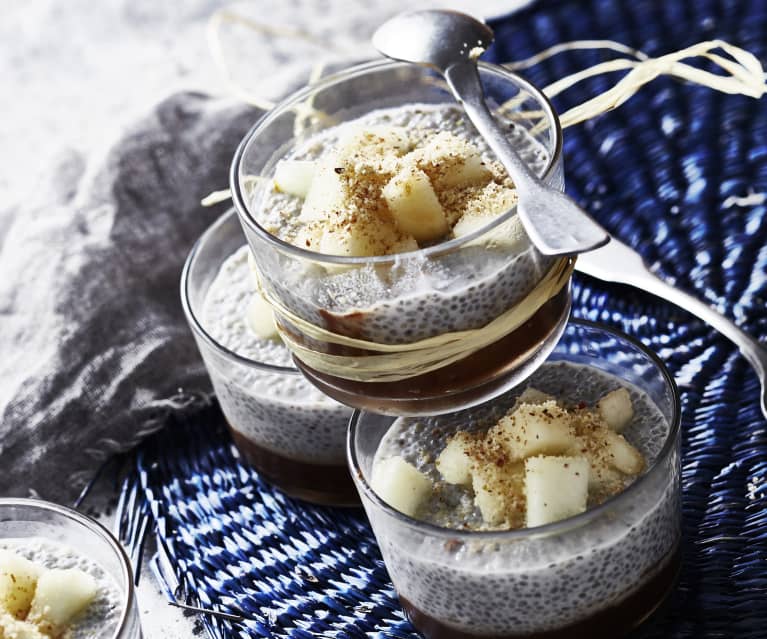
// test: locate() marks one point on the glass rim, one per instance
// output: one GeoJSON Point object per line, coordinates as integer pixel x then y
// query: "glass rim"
{"type": "Point", "coordinates": [248, 220]}
{"type": "Point", "coordinates": [129, 598]}
{"type": "Point", "coordinates": [548, 530]}
{"type": "Point", "coordinates": [194, 321]}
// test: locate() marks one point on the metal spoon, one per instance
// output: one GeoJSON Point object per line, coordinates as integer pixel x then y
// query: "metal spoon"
{"type": "Point", "coordinates": [618, 262]}
{"type": "Point", "coordinates": [450, 42]}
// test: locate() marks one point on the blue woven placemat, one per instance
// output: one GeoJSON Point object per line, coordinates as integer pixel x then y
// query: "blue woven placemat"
{"type": "Point", "coordinates": [656, 172]}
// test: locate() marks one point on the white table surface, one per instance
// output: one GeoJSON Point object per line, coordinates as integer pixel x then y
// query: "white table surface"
{"type": "Point", "coordinates": [75, 73]}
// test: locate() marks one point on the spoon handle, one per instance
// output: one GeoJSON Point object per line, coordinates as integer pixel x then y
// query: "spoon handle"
{"type": "Point", "coordinates": [554, 223]}
{"type": "Point", "coordinates": [617, 262]}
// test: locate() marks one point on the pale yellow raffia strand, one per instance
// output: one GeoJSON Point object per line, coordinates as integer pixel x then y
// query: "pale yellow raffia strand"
{"type": "Point", "coordinates": [509, 109]}
{"type": "Point", "coordinates": [216, 197]}
{"type": "Point", "coordinates": [213, 32]}
{"type": "Point", "coordinates": [395, 362]}
{"type": "Point", "coordinates": [574, 45]}
{"type": "Point", "coordinates": [307, 117]}
{"type": "Point", "coordinates": [746, 77]}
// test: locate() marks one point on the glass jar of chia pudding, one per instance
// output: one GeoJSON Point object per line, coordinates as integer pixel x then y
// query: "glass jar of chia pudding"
{"type": "Point", "coordinates": [54, 537]}
{"type": "Point", "coordinates": [285, 428]}
{"type": "Point", "coordinates": [599, 573]}
{"type": "Point", "coordinates": [419, 327]}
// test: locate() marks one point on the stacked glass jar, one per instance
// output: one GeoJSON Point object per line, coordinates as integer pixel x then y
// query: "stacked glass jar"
{"type": "Point", "coordinates": [443, 335]}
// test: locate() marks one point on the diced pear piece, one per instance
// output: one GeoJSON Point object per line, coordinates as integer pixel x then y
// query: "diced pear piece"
{"type": "Point", "coordinates": [260, 318]}
{"type": "Point", "coordinates": [537, 429]}
{"type": "Point", "coordinates": [363, 239]}
{"type": "Point", "coordinates": [400, 484]}
{"type": "Point", "coordinates": [454, 463]}
{"type": "Point", "coordinates": [12, 628]}
{"type": "Point", "coordinates": [616, 409]}
{"type": "Point", "coordinates": [294, 177]}
{"type": "Point", "coordinates": [404, 244]}
{"type": "Point", "coordinates": [18, 577]}
{"type": "Point", "coordinates": [451, 161]}
{"type": "Point", "coordinates": [60, 597]}
{"type": "Point", "coordinates": [498, 492]}
{"type": "Point", "coordinates": [467, 224]}
{"type": "Point", "coordinates": [469, 169]}
{"type": "Point", "coordinates": [555, 487]}
{"type": "Point", "coordinates": [532, 395]}
{"type": "Point", "coordinates": [491, 203]}
{"type": "Point", "coordinates": [327, 192]}
{"type": "Point", "coordinates": [621, 455]}
{"type": "Point", "coordinates": [380, 144]}
{"type": "Point", "coordinates": [414, 205]}
{"type": "Point", "coordinates": [602, 477]}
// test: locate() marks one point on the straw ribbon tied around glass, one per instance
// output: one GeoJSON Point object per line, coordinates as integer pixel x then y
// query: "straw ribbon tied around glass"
{"type": "Point", "coordinates": [395, 362]}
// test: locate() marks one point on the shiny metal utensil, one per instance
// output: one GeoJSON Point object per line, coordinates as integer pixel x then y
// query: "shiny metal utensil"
{"type": "Point", "coordinates": [450, 42]}
{"type": "Point", "coordinates": [618, 262]}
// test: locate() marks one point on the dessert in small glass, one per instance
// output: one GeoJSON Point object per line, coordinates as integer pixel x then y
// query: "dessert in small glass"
{"type": "Point", "coordinates": [62, 575]}
{"type": "Point", "coordinates": [386, 239]}
{"type": "Point", "coordinates": [551, 511]}
{"type": "Point", "coordinates": [289, 431]}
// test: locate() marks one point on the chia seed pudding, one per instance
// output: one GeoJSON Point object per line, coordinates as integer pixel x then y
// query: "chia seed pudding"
{"type": "Point", "coordinates": [419, 442]}
{"type": "Point", "coordinates": [458, 576]}
{"type": "Point", "coordinates": [102, 616]}
{"type": "Point", "coordinates": [395, 287]}
{"type": "Point", "coordinates": [289, 431]}
{"type": "Point", "coordinates": [504, 273]}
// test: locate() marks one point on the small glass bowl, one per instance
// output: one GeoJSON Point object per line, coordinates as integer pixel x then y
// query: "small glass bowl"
{"type": "Point", "coordinates": [463, 284]}
{"type": "Point", "coordinates": [296, 444]}
{"type": "Point", "coordinates": [26, 518]}
{"type": "Point", "coordinates": [598, 574]}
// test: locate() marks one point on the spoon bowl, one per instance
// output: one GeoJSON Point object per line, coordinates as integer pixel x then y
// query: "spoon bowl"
{"type": "Point", "coordinates": [433, 37]}
{"type": "Point", "coordinates": [451, 42]}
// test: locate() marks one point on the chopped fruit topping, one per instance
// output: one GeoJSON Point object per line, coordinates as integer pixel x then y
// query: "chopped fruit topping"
{"type": "Point", "coordinates": [555, 488]}
{"type": "Point", "coordinates": [260, 318]}
{"type": "Point", "coordinates": [18, 577]}
{"type": "Point", "coordinates": [362, 238]}
{"type": "Point", "coordinates": [498, 492]}
{"type": "Point", "coordinates": [326, 194]}
{"type": "Point", "coordinates": [451, 161]}
{"type": "Point", "coordinates": [375, 179]}
{"type": "Point", "coordinates": [415, 206]}
{"type": "Point", "coordinates": [536, 429]}
{"type": "Point", "coordinates": [533, 396]}
{"type": "Point", "coordinates": [400, 484]}
{"type": "Point", "coordinates": [616, 409]}
{"type": "Point", "coordinates": [540, 462]}
{"type": "Point", "coordinates": [294, 176]}
{"type": "Point", "coordinates": [36, 603]}
{"type": "Point", "coordinates": [621, 455]}
{"type": "Point", "coordinates": [12, 628]}
{"type": "Point", "coordinates": [454, 462]}
{"type": "Point", "coordinates": [375, 147]}
{"type": "Point", "coordinates": [61, 596]}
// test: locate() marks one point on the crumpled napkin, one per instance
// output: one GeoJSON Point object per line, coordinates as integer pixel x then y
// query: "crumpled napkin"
{"type": "Point", "coordinates": [95, 349]}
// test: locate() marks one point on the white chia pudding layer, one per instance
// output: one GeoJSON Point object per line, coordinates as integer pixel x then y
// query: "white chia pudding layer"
{"type": "Point", "coordinates": [278, 411]}
{"type": "Point", "coordinates": [417, 297]}
{"type": "Point", "coordinates": [101, 618]}
{"type": "Point", "coordinates": [491, 585]}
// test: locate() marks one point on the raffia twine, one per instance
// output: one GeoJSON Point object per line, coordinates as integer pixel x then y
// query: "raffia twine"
{"type": "Point", "coordinates": [742, 74]}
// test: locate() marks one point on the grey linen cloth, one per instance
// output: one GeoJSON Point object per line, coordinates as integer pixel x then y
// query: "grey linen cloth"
{"type": "Point", "coordinates": [94, 348]}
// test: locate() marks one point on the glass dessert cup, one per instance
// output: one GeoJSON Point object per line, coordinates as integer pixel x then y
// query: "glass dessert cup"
{"type": "Point", "coordinates": [298, 446]}
{"type": "Point", "coordinates": [26, 518]}
{"type": "Point", "coordinates": [597, 574]}
{"type": "Point", "coordinates": [363, 329]}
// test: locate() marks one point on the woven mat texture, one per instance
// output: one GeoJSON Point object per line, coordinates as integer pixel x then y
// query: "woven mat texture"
{"type": "Point", "coordinates": [657, 173]}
